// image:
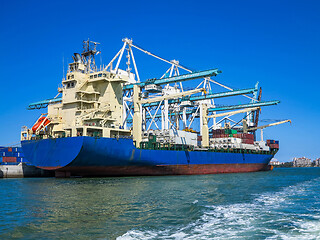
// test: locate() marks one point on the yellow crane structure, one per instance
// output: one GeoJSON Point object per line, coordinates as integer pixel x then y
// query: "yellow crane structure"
{"type": "Point", "coordinates": [265, 126]}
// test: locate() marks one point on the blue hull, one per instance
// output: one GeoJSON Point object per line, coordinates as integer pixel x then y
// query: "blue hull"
{"type": "Point", "coordinates": [89, 156]}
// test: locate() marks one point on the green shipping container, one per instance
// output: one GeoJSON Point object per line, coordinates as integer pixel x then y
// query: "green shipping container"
{"type": "Point", "coordinates": [230, 131]}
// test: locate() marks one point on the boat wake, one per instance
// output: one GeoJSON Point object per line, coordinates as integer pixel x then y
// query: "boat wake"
{"type": "Point", "coordinates": [291, 213]}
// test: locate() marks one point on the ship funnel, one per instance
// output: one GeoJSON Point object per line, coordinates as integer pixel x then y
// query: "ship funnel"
{"type": "Point", "coordinates": [77, 57]}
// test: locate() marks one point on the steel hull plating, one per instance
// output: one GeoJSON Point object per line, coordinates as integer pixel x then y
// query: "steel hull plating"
{"type": "Point", "coordinates": [89, 156]}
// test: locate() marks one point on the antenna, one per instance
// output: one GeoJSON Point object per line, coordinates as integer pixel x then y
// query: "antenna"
{"type": "Point", "coordinates": [101, 60]}
{"type": "Point", "coordinates": [88, 54]}
{"type": "Point", "coordinates": [63, 65]}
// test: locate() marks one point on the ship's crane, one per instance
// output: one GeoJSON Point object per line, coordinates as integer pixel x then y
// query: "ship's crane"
{"type": "Point", "coordinates": [265, 126]}
{"type": "Point", "coordinates": [175, 79]}
{"type": "Point", "coordinates": [231, 107]}
{"type": "Point", "coordinates": [233, 113]}
{"type": "Point", "coordinates": [205, 129]}
{"type": "Point", "coordinates": [172, 96]}
{"type": "Point", "coordinates": [240, 106]}
{"type": "Point", "coordinates": [268, 125]}
{"type": "Point", "coordinates": [209, 96]}
{"type": "Point", "coordinates": [172, 75]}
{"type": "Point", "coordinates": [166, 79]}
{"type": "Point", "coordinates": [257, 112]}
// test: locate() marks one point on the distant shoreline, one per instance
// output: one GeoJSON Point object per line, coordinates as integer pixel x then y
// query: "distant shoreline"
{"type": "Point", "coordinates": [291, 166]}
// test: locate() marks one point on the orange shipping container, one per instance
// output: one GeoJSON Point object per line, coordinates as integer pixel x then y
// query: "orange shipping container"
{"type": "Point", "coordinates": [9, 159]}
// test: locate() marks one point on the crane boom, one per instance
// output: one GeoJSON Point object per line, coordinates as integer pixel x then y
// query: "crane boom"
{"type": "Point", "coordinates": [225, 108]}
{"type": "Point", "coordinates": [241, 106]}
{"type": "Point", "coordinates": [209, 96]}
{"type": "Point", "coordinates": [180, 78]}
{"type": "Point", "coordinates": [268, 125]}
{"type": "Point", "coordinates": [232, 113]}
{"type": "Point", "coordinates": [257, 112]}
{"type": "Point", "coordinates": [172, 96]}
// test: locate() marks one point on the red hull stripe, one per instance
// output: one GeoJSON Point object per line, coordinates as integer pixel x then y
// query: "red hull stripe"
{"type": "Point", "coordinates": [194, 169]}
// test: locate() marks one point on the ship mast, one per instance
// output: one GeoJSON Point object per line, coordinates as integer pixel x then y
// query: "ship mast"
{"type": "Point", "coordinates": [88, 55]}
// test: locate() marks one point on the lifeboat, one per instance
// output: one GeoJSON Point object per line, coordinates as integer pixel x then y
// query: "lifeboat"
{"type": "Point", "coordinates": [43, 121]}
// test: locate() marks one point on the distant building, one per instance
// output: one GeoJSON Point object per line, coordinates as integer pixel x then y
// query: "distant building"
{"type": "Point", "coordinates": [301, 162]}
{"type": "Point", "coordinates": [316, 162]}
{"type": "Point", "coordinates": [275, 163]}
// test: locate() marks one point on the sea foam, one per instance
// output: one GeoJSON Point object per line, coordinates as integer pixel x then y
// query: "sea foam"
{"type": "Point", "coordinates": [270, 215]}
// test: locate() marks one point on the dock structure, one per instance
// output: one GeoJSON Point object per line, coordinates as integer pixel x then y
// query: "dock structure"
{"type": "Point", "coordinates": [13, 164]}
{"type": "Point", "coordinates": [22, 170]}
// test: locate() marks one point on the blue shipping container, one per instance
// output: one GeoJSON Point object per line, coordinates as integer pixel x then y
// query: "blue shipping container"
{"type": "Point", "coordinates": [22, 159]}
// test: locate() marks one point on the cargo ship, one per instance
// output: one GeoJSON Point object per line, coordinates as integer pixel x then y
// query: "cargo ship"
{"type": "Point", "coordinates": [106, 121]}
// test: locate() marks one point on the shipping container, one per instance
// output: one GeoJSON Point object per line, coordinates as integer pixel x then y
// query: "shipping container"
{"type": "Point", "coordinates": [247, 141]}
{"type": "Point", "coordinates": [8, 154]}
{"type": "Point", "coordinates": [9, 159]}
{"type": "Point", "coordinates": [249, 136]}
{"type": "Point", "coordinates": [22, 159]}
{"type": "Point", "coordinates": [223, 131]}
{"type": "Point", "coordinates": [230, 131]}
{"type": "Point", "coordinates": [274, 146]}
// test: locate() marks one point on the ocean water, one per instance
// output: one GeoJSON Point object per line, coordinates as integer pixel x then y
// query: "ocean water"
{"type": "Point", "coordinates": [280, 204]}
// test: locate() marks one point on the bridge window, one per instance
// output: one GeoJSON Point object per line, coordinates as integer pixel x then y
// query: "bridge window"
{"type": "Point", "coordinates": [71, 85]}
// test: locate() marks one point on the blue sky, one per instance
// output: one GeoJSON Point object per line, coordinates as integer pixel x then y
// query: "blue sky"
{"type": "Point", "coordinates": [274, 42]}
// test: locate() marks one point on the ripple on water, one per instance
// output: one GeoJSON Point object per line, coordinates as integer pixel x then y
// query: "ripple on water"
{"type": "Point", "coordinates": [275, 215]}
